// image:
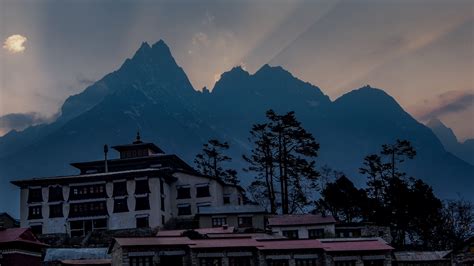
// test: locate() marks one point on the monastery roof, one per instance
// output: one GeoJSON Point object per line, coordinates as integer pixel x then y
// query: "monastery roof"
{"type": "Point", "coordinates": [203, 231]}
{"type": "Point", "coordinates": [301, 219]}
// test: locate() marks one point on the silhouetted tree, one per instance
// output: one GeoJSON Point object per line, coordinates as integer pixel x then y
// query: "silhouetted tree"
{"type": "Point", "coordinates": [210, 161]}
{"type": "Point", "coordinates": [284, 152]}
{"type": "Point", "coordinates": [342, 200]}
{"type": "Point", "coordinates": [458, 223]}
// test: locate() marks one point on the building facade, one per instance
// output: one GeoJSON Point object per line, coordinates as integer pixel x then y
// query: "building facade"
{"type": "Point", "coordinates": [143, 188]}
{"type": "Point", "coordinates": [19, 246]}
{"type": "Point", "coordinates": [302, 226]}
{"type": "Point", "coordinates": [241, 217]}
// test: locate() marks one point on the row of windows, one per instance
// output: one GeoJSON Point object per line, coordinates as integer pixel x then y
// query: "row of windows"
{"type": "Point", "coordinates": [241, 221]}
{"type": "Point", "coordinates": [35, 195]}
{"type": "Point", "coordinates": [184, 192]}
{"type": "Point", "coordinates": [185, 208]}
{"type": "Point", "coordinates": [312, 233]}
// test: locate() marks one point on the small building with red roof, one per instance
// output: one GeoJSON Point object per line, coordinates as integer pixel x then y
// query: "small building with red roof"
{"type": "Point", "coordinates": [302, 226]}
{"type": "Point", "coordinates": [19, 246]}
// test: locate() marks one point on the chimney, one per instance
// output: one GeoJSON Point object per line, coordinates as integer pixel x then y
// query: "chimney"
{"type": "Point", "coordinates": [106, 150]}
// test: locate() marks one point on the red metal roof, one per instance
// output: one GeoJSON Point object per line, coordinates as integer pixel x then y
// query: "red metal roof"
{"type": "Point", "coordinates": [225, 243]}
{"type": "Point", "coordinates": [154, 241]}
{"type": "Point", "coordinates": [19, 235]}
{"type": "Point", "coordinates": [291, 244]}
{"type": "Point", "coordinates": [203, 231]}
{"type": "Point", "coordinates": [303, 219]}
{"type": "Point", "coordinates": [355, 245]}
{"type": "Point", "coordinates": [87, 262]}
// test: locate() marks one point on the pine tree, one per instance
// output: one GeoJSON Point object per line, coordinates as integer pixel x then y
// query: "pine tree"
{"type": "Point", "coordinates": [210, 162]}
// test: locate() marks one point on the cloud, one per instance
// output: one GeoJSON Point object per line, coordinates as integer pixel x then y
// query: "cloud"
{"type": "Point", "coordinates": [15, 43]}
{"type": "Point", "coordinates": [20, 121]}
{"type": "Point", "coordinates": [445, 103]}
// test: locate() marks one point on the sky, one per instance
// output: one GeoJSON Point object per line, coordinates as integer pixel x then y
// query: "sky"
{"type": "Point", "coordinates": [421, 52]}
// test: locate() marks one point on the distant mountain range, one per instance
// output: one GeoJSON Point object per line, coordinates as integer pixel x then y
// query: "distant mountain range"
{"type": "Point", "coordinates": [463, 150]}
{"type": "Point", "coordinates": [151, 93]}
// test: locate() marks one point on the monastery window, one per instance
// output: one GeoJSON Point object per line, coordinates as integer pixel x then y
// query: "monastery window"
{"type": "Point", "coordinates": [316, 233]}
{"type": "Point", "coordinates": [245, 221]}
{"type": "Point", "coordinates": [141, 186]}
{"type": "Point", "coordinates": [226, 199]}
{"type": "Point", "coordinates": [87, 192]}
{"type": "Point", "coordinates": [86, 209]}
{"type": "Point", "coordinates": [184, 209]}
{"type": "Point", "coordinates": [199, 205]}
{"type": "Point", "coordinates": [219, 221]}
{"type": "Point", "coordinates": [120, 205]}
{"type": "Point", "coordinates": [184, 192]}
{"type": "Point", "coordinates": [162, 203]}
{"type": "Point", "coordinates": [142, 203]}
{"type": "Point", "coordinates": [56, 210]}
{"type": "Point", "coordinates": [291, 234]}
{"type": "Point", "coordinates": [142, 222]}
{"type": "Point", "coordinates": [35, 195]}
{"type": "Point", "coordinates": [120, 188]}
{"type": "Point", "coordinates": [162, 188]}
{"type": "Point", "coordinates": [202, 191]}
{"type": "Point", "coordinates": [55, 194]}
{"type": "Point", "coordinates": [35, 212]}
{"type": "Point", "coordinates": [81, 228]}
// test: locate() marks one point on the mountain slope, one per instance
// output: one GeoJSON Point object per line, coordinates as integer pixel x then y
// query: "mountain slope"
{"type": "Point", "coordinates": [150, 92]}
{"type": "Point", "coordinates": [464, 150]}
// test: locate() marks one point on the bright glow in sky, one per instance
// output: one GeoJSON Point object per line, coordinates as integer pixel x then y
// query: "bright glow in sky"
{"type": "Point", "coordinates": [418, 51]}
{"type": "Point", "coordinates": [15, 43]}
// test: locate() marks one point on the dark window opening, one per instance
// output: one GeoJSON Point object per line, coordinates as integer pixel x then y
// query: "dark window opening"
{"type": "Point", "coordinates": [184, 193]}
{"type": "Point", "coordinates": [219, 221]}
{"type": "Point", "coordinates": [163, 221]}
{"type": "Point", "coordinates": [240, 261]}
{"type": "Point", "coordinates": [226, 199]}
{"type": "Point", "coordinates": [141, 186]}
{"type": "Point", "coordinates": [202, 191]}
{"type": "Point", "coordinates": [142, 222]}
{"type": "Point", "coordinates": [120, 205]}
{"type": "Point", "coordinates": [162, 203]}
{"type": "Point", "coordinates": [56, 210]}
{"type": "Point", "coordinates": [345, 263]}
{"type": "Point", "coordinates": [162, 189]}
{"type": "Point", "coordinates": [82, 228]}
{"type": "Point", "coordinates": [142, 203]}
{"type": "Point", "coordinates": [55, 194]}
{"type": "Point", "coordinates": [291, 234]}
{"type": "Point", "coordinates": [278, 263]}
{"type": "Point", "coordinates": [120, 189]}
{"type": "Point", "coordinates": [35, 195]}
{"type": "Point", "coordinates": [184, 209]}
{"type": "Point", "coordinates": [85, 209]}
{"type": "Point", "coordinates": [35, 212]}
{"type": "Point", "coordinates": [141, 261]}
{"type": "Point", "coordinates": [245, 222]}
{"type": "Point", "coordinates": [307, 262]}
{"type": "Point", "coordinates": [37, 229]}
{"type": "Point", "coordinates": [315, 233]}
{"type": "Point", "coordinates": [87, 192]}
{"type": "Point", "coordinates": [210, 262]}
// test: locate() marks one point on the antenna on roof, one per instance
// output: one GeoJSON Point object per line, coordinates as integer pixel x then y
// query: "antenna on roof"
{"type": "Point", "coordinates": [106, 150]}
{"type": "Point", "coordinates": [138, 138]}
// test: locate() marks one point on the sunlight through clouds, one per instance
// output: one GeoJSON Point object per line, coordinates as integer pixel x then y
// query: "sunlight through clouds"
{"type": "Point", "coordinates": [15, 44]}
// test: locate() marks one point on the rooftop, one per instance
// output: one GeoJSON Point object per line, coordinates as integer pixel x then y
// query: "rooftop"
{"type": "Point", "coordinates": [202, 231]}
{"type": "Point", "coordinates": [301, 219]}
{"type": "Point", "coordinates": [23, 235]}
{"type": "Point", "coordinates": [231, 209]}
{"type": "Point", "coordinates": [75, 254]}
{"type": "Point", "coordinates": [421, 255]}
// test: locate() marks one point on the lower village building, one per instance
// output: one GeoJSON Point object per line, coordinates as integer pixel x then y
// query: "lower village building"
{"type": "Point", "coordinates": [143, 188]}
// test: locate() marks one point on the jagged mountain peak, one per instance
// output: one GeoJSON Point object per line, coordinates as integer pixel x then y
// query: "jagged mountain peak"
{"type": "Point", "coordinates": [267, 69]}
